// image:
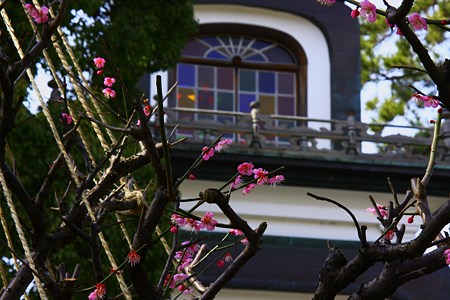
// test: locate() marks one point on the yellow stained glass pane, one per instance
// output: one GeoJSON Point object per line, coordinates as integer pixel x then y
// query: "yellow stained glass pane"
{"type": "Point", "coordinates": [267, 104]}
{"type": "Point", "coordinates": [186, 98]}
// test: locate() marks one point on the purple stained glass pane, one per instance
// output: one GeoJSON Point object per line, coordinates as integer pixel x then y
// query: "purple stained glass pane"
{"type": "Point", "coordinates": [225, 78]}
{"type": "Point", "coordinates": [286, 106]}
{"type": "Point", "coordinates": [266, 82]}
{"type": "Point", "coordinates": [286, 83]}
{"type": "Point", "coordinates": [244, 102]}
{"type": "Point", "coordinates": [186, 75]}
{"type": "Point", "coordinates": [205, 77]}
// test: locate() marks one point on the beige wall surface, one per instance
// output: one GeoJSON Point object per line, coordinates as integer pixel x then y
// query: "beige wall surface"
{"type": "Point", "coordinates": [290, 212]}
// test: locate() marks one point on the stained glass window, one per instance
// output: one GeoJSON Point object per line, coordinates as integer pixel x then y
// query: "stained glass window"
{"type": "Point", "coordinates": [227, 73]}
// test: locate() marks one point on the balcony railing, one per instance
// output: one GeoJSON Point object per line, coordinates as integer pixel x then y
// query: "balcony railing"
{"type": "Point", "coordinates": [293, 136]}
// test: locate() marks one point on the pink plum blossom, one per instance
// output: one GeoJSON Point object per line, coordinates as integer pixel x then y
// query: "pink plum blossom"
{"type": "Point", "coordinates": [42, 15]}
{"type": "Point", "coordinates": [274, 181]}
{"type": "Point", "coordinates": [180, 277]}
{"type": "Point", "coordinates": [236, 183]}
{"type": "Point", "coordinates": [248, 188]}
{"type": "Point", "coordinates": [171, 284]}
{"type": "Point", "coordinates": [355, 13]}
{"type": "Point", "coordinates": [66, 119]}
{"type": "Point", "coordinates": [427, 101]}
{"type": "Point", "coordinates": [368, 11]}
{"type": "Point", "coordinates": [93, 295]}
{"type": "Point", "coordinates": [261, 176]}
{"type": "Point", "coordinates": [109, 93]}
{"type": "Point", "coordinates": [109, 81]}
{"type": "Point", "coordinates": [447, 254]}
{"type": "Point", "coordinates": [99, 62]}
{"type": "Point", "coordinates": [417, 22]}
{"type": "Point", "coordinates": [207, 153]}
{"type": "Point", "coordinates": [208, 222]}
{"type": "Point", "coordinates": [381, 208]}
{"type": "Point", "coordinates": [236, 232]}
{"type": "Point", "coordinates": [430, 101]}
{"type": "Point", "coordinates": [245, 168]}
{"type": "Point", "coordinates": [223, 145]}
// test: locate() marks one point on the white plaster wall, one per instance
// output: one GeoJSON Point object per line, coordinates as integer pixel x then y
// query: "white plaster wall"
{"type": "Point", "coordinates": [290, 212]}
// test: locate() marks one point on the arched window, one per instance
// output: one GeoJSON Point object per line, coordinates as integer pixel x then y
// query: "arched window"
{"type": "Point", "coordinates": [228, 71]}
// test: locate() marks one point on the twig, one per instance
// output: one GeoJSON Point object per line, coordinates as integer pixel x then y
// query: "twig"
{"type": "Point", "coordinates": [355, 221]}
{"type": "Point", "coordinates": [432, 160]}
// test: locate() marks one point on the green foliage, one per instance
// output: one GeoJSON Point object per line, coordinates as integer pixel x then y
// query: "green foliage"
{"type": "Point", "coordinates": [140, 36]}
{"type": "Point", "coordinates": [398, 65]}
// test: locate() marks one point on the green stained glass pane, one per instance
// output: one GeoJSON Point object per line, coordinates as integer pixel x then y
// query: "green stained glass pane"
{"type": "Point", "coordinates": [225, 101]}
{"type": "Point", "coordinates": [247, 80]}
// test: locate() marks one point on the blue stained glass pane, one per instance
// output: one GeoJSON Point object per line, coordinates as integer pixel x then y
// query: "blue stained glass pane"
{"type": "Point", "coordinates": [244, 102]}
{"type": "Point", "coordinates": [186, 75]}
{"type": "Point", "coordinates": [225, 101]}
{"type": "Point", "coordinates": [261, 44]}
{"type": "Point", "coordinates": [256, 58]}
{"type": "Point", "coordinates": [216, 55]}
{"type": "Point", "coordinates": [266, 82]}
{"type": "Point", "coordinates": [247, 80]}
